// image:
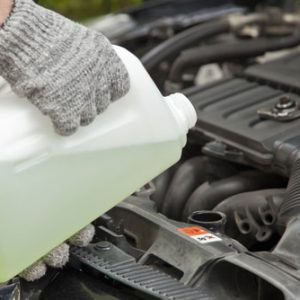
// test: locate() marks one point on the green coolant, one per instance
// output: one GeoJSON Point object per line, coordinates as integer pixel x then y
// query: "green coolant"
{"type": "Point", "coordinates": [45, 201]}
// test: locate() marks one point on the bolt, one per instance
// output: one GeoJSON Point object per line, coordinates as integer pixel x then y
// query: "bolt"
{"type": "Point", "coordinates": [103, 245]}
{"type": "Point", "coordinates": [285, 102]}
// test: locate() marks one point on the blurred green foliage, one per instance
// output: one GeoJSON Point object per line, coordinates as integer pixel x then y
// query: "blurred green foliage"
{"type": "Point", "coordinates": [83, 9]}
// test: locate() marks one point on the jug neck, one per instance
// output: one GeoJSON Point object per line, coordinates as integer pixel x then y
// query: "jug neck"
{"type": "Point", "coordinates": [183, 111]}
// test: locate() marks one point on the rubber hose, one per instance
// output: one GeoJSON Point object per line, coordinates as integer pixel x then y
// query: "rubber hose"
{"type": "Point", "coordinates": [208, 195]}
{"type": "Point", "coordinates": [289, 217]}
{"type": "Point", "coordinates": [173, 46]}
{"type": "Point", "coordinates": [219, 53]}
{"type": "Point", "coordinates": [188, 176]}
{"type": "Point", "coordinates": [161, 184]}
{"type": "Point", "coordinates": [291, 204]}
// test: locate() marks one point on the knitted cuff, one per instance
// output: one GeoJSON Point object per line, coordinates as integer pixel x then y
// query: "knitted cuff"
{"type": "Point", "coordinates": [22, 37]}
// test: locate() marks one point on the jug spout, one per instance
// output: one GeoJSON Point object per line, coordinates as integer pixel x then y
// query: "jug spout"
{"type": "Point", "coordinates": [183, 111]}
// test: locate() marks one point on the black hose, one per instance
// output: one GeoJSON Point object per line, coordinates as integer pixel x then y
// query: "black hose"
{"type": "Point", "coordinates": [161, 184]}
{"type": "Point", "coordinates": [291, 204]}
{"type": "Point", "coordinates": [230, 51]}
{"type": "Point", "coordinates": [289, 217]}
{"type": "Point", "coordinates": [188, 176]}
{"type": "Point", "coordinates": [208, 195]}
{"type": "Point", "coordinates": [173, 46]}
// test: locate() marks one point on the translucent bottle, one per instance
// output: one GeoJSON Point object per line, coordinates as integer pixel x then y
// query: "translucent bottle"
{"type": "Point", "coordinates": [52, 186]}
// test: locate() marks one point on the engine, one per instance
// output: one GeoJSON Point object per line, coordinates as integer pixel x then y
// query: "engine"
{"type": "Point", "coordinates": [224, 220]}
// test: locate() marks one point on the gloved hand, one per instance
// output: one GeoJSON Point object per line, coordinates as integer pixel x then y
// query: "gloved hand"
{"type": "Point", "coordinates": [69, 72]}
{"type": "Point", "coordinates": [59, 256]}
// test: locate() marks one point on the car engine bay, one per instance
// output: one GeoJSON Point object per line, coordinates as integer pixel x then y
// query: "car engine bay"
{"type": "Point", "coordinates": [224, 222]}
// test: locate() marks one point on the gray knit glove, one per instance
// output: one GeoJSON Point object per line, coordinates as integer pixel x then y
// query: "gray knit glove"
{"type": "Point", "coordinates": [58, 257]}
{"type": "Point", "coordinates": [69, 72]}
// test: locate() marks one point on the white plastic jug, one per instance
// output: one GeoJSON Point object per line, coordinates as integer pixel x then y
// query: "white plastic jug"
{"type": "Point", "coordinates": [52, 186]}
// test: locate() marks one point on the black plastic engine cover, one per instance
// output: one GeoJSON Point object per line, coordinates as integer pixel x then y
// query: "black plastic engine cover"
{"type": "Point", "coordinates": [228, 118]}
{"type": "Point", "coordinates": [283, 72]}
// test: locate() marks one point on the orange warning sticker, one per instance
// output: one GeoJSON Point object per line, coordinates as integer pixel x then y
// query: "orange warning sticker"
{"type": "Point", "coordinates": [199, 234]}
{"type": "Point", "coordinates": [193, 230]}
